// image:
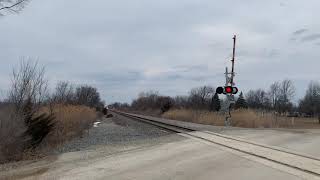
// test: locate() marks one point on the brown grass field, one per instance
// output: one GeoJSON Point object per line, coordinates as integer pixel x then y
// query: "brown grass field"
{"type": "Point", "coordinates": [70, 121]}
{"type": "Point", "coordinates": [246, 118]}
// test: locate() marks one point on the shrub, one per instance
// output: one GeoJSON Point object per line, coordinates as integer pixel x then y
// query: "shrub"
{"type": "Point", "coordinates": [12, 141]}
{"type": "Point", "coordinates": [38, 126]}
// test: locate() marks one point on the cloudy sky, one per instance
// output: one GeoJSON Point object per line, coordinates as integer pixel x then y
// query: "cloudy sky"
{"type": "Point", "coordinates": [124, 47]}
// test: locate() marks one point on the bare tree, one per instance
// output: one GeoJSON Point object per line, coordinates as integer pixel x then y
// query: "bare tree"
{"type": "Point", "coordinates": [274, 93]}
{"type": "Point", "coordinates": [64, 93]}
{"type": "Point", "coordinates": [27, 94]}
{"type": "Point", "coordinates": [12, 5]}
{"type": "Point", "coordinates": [165, 103]}
{"type": "Point", "coordinates": [181, 102]}
{"type": "Point", "coordinates": [200, 96]}
{"type": "Point", "coordinates": [310, 104]}
{"type": "Point", "coordinates": [28, 85]}
{"type": "Point", "coordinates": [87, 95]}
{"type": "Point", "coordinates": [286, 91]}
{"type": "Point", "coordinates": [146, 100]}
{"type": "Point", "coordinates": [258, 99]}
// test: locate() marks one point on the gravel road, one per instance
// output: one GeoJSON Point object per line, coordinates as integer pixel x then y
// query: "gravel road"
{"type": "Point", "coordinates": [118, 132]}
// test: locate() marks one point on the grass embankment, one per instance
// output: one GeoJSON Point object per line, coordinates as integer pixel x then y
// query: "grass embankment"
{"type": "Point", "coordinates": [70, 121]}
{"type": "Point", "coordinates": [246, 118]}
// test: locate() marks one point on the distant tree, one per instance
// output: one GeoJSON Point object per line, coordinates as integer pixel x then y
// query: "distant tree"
{"type": "Point", "coordinates": [64, 93]}
{"type": "Point", "coordinates": [311, 102]}
{"type": "Point", "coordinates": [241, 102]}
{"type": "Point", "coordinates": [146, 100]}
{"type": "Point", "coordinates": [200, 97]}
{"type": "Point", "coordinates": [87, 95]}
{"type": "Point", "coordinates": [152, 100]}
{"type": "Point", "coordinates": [215, 104]}
{"type": "Point", "coordinates": [257, 99]}
{"type": "Point", "coordinates": [181, 102]}
{"type": "Point", "coordinates": [274, 94]}
{"type": "Point", "coordinates": [165, 103]}
{"type": "Point", "coordinates": [119, 106]}
{"type": "Point", "coordinates": [286, 93]}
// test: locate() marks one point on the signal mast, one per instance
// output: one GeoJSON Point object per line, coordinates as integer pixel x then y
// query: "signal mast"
{"type": "Point", "coordinates": [229, 89]}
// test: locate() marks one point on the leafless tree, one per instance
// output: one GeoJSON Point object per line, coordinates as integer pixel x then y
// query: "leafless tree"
{"type": "Point", "coordinates": [181, 102]}
{"type": "Point", "coordinates": [257, 99]}
{"type": "Point", "coordinates": [27, 94]}
{"type": "Point", "coordinates": [274, 93]}
{"type": "Point", "coordinates": [150, 93]}
{"type": "Point", "coordinates": [287, 91]}
{"type": "Point", "coordinates": [200, 96]}
{"type": "Point", "coordinates": [28, 85]}
{"type": "Point", "coordinates": [87, 95]}
{"type": "Point", "coordinates": [64, 93]}
{"type": "Point", "coordinates": [146, 100]}
{"type": "Point", "coordinates": [310, 104]}
{"type": "Point", "coordinates": [12, 5]}
{"type": "Point", "coordinates": [165, 103]}
{"type": "Point", "coordinates": [281, 94]}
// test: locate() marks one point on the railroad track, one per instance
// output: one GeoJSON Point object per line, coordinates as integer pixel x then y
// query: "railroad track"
{"type": "Point", "coordinates": [300, 162]}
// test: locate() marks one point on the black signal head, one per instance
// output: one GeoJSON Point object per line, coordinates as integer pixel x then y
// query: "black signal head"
{"type": "Point", "coordinates": [219, 90]}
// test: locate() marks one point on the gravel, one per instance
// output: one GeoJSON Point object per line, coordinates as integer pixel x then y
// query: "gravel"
{"type": "Point", "coordinates": [118, 133]}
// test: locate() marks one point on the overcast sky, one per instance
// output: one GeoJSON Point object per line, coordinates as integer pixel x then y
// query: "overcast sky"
{"type": "Point", "coordinates": [124, 47]}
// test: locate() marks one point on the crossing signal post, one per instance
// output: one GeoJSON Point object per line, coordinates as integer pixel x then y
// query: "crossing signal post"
{"type": "Point", "coordinates": [229, 89]}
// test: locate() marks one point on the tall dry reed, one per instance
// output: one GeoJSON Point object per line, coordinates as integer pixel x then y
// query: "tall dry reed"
{"type": "Point", "coordinates": [247, 118]}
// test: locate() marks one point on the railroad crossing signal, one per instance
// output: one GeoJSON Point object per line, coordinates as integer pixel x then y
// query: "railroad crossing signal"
{"type": "Point", "coordinates": [227, 90]}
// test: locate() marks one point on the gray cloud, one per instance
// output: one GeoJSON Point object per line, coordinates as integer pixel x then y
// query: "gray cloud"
{"type": "Point", "coordinates": [282, 4]}
{"type": "Point", "coordinates": [184, 68]}
{"type": "Point", "coordinates": [311, 37]}
{"type": "Point", "coordinates": [300, 31]}
{"type": "Point", "coordinates": [124, 47]}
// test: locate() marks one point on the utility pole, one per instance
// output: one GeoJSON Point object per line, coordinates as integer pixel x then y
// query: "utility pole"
{"type": "Point", "coordinates": [229, 89]}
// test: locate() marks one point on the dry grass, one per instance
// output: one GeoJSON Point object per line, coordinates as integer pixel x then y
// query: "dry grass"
{"type": "Point", "coordinates": [242, 118]}
{"type": "Point", "coordinates": [11, 140]}
{"type": "Point", "coordinates": [71, 121]}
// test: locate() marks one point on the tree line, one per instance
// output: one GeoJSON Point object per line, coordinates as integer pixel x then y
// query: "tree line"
{"type": "Point", "coordinates": [277, 98]}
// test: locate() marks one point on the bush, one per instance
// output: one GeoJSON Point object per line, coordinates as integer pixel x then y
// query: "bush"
{"type": "Point", "coordinates": [165, 103]}
{"type": "Point", "coordinates": [12, 141]}
{"type": "Point", "coordinates": [38, 125]}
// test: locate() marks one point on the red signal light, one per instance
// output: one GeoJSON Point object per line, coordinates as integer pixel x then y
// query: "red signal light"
{"type": "Point", "coordinates": [228, 89]}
